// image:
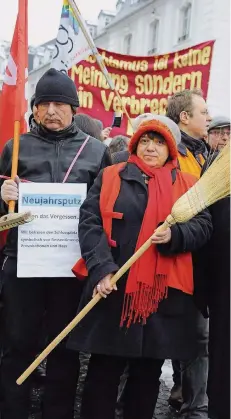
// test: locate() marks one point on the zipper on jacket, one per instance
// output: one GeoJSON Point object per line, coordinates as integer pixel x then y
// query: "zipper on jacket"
{"type": "Point", "coordinates": [4, 262]}
{"type": "Point", "coordinates": [58, 146]}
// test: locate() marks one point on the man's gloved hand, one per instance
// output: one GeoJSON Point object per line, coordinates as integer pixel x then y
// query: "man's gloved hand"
{"type": "Point", "coordinates": [9, 190]}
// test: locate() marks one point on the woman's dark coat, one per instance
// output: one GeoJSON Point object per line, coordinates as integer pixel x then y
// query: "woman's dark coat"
{"type": "Point", "coordinates": [172, 332]}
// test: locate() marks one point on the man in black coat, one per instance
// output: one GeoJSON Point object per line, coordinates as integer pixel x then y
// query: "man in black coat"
{"type": "Point", "coordinates": [214, 260]}
{"type": "Point", "coordinates": [212, 274]}
{"type": "Point", "coordinates": [45, 156]}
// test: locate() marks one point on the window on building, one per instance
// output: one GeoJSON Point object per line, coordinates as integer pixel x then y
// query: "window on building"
{"type": "Point", "coordinates": [119, 5]}
{"type": "Point", "coordinates": [185, 21]}
{"type": "Point", "coordinates": [41, 60]}
{"type": "Point", "coordinates": [127, 43]}
{"type": "Point", "coordinates": [51, 53]}
{"type": "Point", "coordinates": [153, 36]}
{"type": "Point", "coordinates": [107, 21]}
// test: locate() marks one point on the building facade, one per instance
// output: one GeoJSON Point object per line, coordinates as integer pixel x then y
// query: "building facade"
{"type": "Point", "coordinates": [152, 27]}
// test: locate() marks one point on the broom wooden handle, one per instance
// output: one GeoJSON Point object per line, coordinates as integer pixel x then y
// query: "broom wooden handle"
{"type": "Point", "coordinates": [86, 309]}
{"type": "Point", "coordinates": [14, 168]}
{"type": "Point", "coordinates": [136, 256]}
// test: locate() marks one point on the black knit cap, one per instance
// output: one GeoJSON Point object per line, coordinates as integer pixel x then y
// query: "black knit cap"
{"type": "Point", "coordinates": [55, 86]}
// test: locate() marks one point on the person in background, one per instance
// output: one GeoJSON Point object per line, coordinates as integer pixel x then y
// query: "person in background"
{"type": "Point", "coordinates": [99, 123]}
{"type": "Point", "coordinates": [189, 111]}
{"type": "Point", "coordinates": [212, 269]}
{"type": "Point", "coordinates": [219, 132]}
{"type": "Point", "coordinates": [45, 156]}
{"type": "Point", "coordinates": [144, 190]}
{"type": "Point", "coordinates": [105, 134]}
{"type": "Point", "coordinates": [88, 125]}
{"type": "Point", "coordinates": [118, 143]}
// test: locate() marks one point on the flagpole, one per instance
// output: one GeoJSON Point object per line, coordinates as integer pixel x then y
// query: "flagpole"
{"type": "Point", "coordinates": [97, 56]}
{"type": "Point", "coordinates": [14, 168]}
{"type": "Point", "coordinates": [19, 59]}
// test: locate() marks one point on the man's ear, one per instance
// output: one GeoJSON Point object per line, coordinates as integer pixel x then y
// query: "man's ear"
{"type": "Point", "coordinates": [184, 117]}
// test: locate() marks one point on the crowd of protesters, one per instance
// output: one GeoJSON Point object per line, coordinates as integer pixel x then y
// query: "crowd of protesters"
{"type": "Point", "coordinates": [172, 304]}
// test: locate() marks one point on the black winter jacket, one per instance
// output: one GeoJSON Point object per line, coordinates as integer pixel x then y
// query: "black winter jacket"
{"type": "Point", "coordinates": [172, 331]}
{"type": "Point", "coordinates": [46, 155]}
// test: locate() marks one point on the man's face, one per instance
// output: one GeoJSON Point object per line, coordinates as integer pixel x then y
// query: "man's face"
{"type": "Point", "coordinates": [197, 122]}
{"type": "Point", "coordinates": [218, 137]}
{"type": "Point", "coordinates": [55, 115]}
{"type": "Point", "coordinates": [35, 114]}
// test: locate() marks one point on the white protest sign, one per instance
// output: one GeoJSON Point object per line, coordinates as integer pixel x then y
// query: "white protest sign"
{"type": "Point", "coordinates": [49, 245]}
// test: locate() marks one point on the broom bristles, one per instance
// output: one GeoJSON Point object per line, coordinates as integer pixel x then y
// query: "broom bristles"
{"type": "Point", "coordinates": [13, 220]}
{"type": "Point", "coordinates": [210, 188]}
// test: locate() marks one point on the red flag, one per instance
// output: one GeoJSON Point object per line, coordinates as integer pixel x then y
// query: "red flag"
{"type": "Point", "coordinates": [13, 98]}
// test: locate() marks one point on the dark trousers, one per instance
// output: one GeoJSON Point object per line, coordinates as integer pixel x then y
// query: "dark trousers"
{"type": "Point", "coordinates": [194, 375]}
{"type": "Point", "coordinates": [219, 359]}
{"type": "Point", "coordinates": [25, 302]}
{"type": "Point", "coordinates": [176, 372]}
{"type": "Point", "coordinates": [101, 387]}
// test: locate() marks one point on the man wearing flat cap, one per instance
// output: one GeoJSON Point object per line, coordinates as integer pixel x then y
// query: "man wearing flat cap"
{"type": "Point", "coordinates": [219, 132]}
{"type": "Point", "coordinates": [45, 156]}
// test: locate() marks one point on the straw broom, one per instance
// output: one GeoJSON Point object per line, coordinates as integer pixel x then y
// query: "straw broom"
{"type": "Point", "coordinates": [211, 187]}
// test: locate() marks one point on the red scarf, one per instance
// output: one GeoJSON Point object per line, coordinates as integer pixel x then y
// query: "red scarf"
{"type": "Point", "coordinates": [147, 282]}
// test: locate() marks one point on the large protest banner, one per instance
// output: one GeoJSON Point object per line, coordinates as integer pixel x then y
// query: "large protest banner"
{"type": "Point", "coordinates": [144, 83]}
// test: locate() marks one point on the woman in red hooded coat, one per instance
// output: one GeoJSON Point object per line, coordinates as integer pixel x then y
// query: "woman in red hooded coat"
{"type": "Point", "coordinates": [151, 316]}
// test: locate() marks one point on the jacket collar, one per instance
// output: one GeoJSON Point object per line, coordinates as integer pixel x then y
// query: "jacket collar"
{"type": "Point", "coordinates": [132, 173]}
{"type": "Point", "coordinates": [196, 147]}
{"type": "Point", "coordinates": [182, 149]}
{"type": "Point", "coordinates": [55, 135]}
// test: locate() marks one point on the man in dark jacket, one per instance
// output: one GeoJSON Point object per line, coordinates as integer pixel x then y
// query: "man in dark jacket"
{"type": "Point", "coordinates": [189, 111]}
{"type": "Point", "coordinates": [214, 263]}
{"type": "Point", "coordinates": [219, 309]}
{"type": "Point", "coordinates": [212, 273]}
{"type": "Point", "coordinates": [45, 156]}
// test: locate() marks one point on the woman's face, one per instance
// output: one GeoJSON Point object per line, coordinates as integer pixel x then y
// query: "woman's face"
{"type": "Point", "coordinates": [152, 149]}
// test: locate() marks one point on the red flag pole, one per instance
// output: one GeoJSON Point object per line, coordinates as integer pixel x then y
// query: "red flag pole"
{"type": "Point", "coordinates": [14, 168]}
{"type": "Point", "coordinates": [21, 56]}
{"type": "Point", "coordinates": [17, 69]}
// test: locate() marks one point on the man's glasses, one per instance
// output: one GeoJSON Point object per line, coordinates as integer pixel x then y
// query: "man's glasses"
{"type": "Point", "coordinates": [220, 132]}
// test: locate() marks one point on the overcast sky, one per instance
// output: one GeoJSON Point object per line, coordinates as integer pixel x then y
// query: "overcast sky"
{"type": "Point", "coordinates": [44, 16]}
